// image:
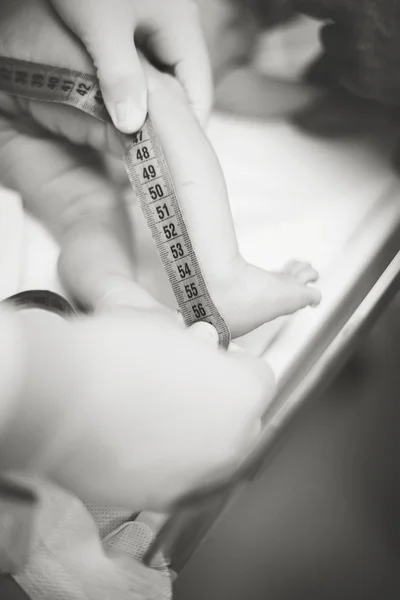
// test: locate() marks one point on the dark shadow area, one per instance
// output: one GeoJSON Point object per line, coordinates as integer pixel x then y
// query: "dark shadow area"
{"type": "Point", "coordinates": [323, 521]}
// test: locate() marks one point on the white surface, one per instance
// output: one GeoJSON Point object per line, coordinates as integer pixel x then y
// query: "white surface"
{"type": "Point", "coordinates": [28, 253]}
{"type": "Point", "coordinates": [11, 243]}
{"type": "Point", "coordinates": [294, 196]}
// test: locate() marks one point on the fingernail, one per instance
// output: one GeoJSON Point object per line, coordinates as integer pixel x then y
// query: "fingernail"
{"type": "Point", "coordinates": [128, 116]}
{"type": "Point", "coordinates": [205, 331]}
{"type": "Point", "coordinates": [234, 348]}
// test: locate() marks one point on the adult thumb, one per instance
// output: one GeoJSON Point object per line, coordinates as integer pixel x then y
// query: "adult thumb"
{"type": "Point", "coordinates": [106, 28]}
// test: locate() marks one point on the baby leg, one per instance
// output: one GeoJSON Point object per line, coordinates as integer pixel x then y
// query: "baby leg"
{"type": "Point", "coordinates": [246, 295]}
{"type": "Point", "coordinates": [65, 187]}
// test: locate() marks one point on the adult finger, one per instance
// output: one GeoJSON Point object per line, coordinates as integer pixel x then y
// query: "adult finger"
{"type": "Point", "coordinates": [183, 48]}
{"type": "Point", "coordinates": [107, 30]}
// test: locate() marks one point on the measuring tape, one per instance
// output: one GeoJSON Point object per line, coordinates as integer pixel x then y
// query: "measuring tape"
{"type": "Point", "coordinates": [148, 173]}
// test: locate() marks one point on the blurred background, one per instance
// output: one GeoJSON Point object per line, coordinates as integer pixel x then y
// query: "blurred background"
{"type": "Point", "coordinates": [324, 519]}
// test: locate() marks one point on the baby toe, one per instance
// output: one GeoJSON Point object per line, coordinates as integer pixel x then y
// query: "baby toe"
{"type": "Point", "coordinates": [293, 267]}
{"type": "Point", "coordinates": [314, 296]}
{"type": "Point", "coordinates": [307, 274]}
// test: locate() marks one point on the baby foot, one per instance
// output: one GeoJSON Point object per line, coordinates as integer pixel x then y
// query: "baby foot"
{"type": "Point", "coordinates": [247, 298]}
{"type": "Point", "coordinates": [302, 272]}
{"type": "Point", "coordinates": [255, 296]}
{"type": "Point", "coordinates": [296, 275]}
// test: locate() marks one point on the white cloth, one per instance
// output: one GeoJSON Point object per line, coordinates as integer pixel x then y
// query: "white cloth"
{"type": "Point", "coordinates": [69, 562]}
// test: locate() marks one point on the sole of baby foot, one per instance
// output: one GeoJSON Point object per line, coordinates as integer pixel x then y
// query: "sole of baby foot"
{"type": "Point", "coordinates": [256, 296]}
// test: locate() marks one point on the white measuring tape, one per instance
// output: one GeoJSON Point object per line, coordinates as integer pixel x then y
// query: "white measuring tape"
{"type": "Point", "coordinates": [148, 173]}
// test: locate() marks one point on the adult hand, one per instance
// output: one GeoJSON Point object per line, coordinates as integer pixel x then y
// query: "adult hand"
{"type": "Point", "coordinates": [126, 409]}
{"type": "Point", "coordinates": [169, 31]}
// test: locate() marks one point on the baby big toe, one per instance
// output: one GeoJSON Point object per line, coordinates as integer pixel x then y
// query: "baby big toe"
{"type": "Point", "coordinates": [306, 274]}
{"type": "Point", "coordinates": [293, 267]}
{"type": "Point", "coordinates": [314, 296]}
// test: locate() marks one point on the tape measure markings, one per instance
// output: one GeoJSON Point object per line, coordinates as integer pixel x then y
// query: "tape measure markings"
{"type": "Point", "coordinates": [149, 176]}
